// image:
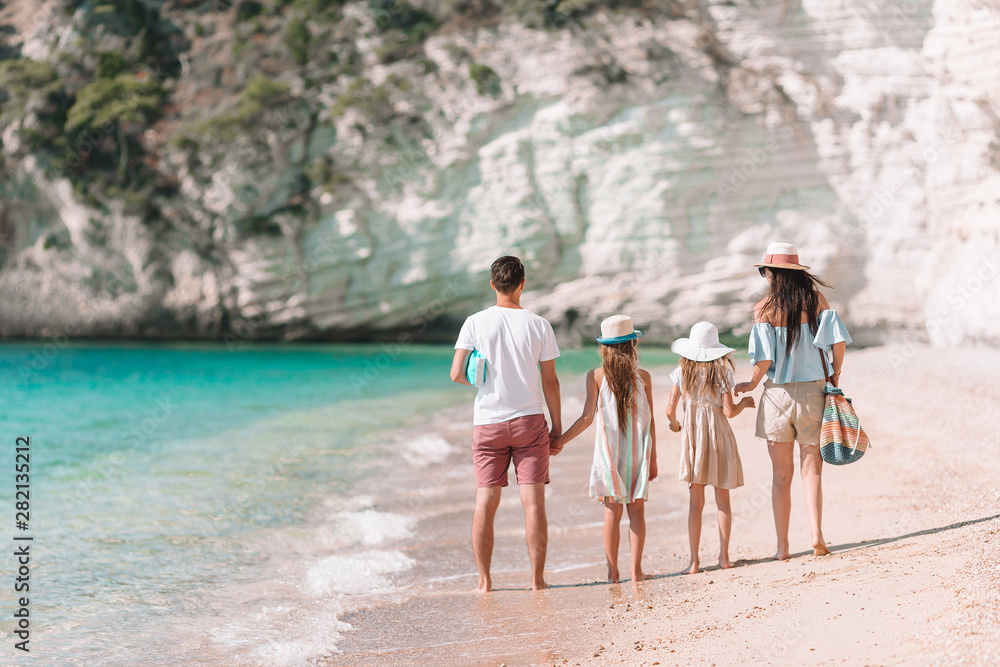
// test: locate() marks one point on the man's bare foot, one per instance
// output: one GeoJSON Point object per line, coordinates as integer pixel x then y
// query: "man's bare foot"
{"type": "Point", "coordinates": [693, 568]}
{"type": "Point", "coordinates": [819, 549]}
{"type": "Point", "coordinates": [539, 585]}
{"type": "Point", "coordinates": [724, 562]}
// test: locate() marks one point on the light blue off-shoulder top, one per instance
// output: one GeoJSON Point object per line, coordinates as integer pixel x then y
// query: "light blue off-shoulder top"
{"type": "Point", "coordinates": [803, 364]}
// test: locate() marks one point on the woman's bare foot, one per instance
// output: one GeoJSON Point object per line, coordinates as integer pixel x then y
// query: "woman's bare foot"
{"type": "Point", "coordinates": [724, 562]}
{"type": "Point", "coordinates": [637, 575]}
{"type": "Point", "coordinates": [819, 548]}
{"type": "Point", "coordinates": [485, 584]}
{"type": "Point", "coordinates": [693, 568]}
{"type": "Point", "coordinates": [613, 575]}
{"type": "Point", "coordinates": [539, 585]}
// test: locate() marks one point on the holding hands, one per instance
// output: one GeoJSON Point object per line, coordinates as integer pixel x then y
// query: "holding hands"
{"type": "Point", "coordinates": [556, 442]}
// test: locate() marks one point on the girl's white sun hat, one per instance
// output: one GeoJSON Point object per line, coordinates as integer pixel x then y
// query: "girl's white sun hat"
{"type": "Point", "coordinates": [702, 344]}
{"type": "Point", "coordinates": [782, 256]}
{"type": "Point", "coordinates": [617, 329]}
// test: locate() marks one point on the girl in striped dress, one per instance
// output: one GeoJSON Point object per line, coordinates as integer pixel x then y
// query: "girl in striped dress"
{"type": "Point", "coordinates": [620, 395]}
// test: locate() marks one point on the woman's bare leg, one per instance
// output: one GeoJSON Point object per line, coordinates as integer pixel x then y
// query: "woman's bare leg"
{"type": "Point", "coordinates": [697, 504]}
{"type": "Point", "coordinates": [612, 519]}
{"type": "Point", "coordinates": [811, 469]}
{"type": "Point", "coordinates": [725, 525]}
{"type": "Point", "coordinates": [782, 469]}
{"type": "Point", "coordinates": [637, 535]}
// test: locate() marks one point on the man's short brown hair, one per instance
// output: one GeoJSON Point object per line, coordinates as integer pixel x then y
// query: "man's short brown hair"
{"type": "Point", "coordinates": [507, 274]}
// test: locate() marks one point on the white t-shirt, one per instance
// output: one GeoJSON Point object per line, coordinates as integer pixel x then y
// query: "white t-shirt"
{"type": "Point", "coordinates": [513, 341]}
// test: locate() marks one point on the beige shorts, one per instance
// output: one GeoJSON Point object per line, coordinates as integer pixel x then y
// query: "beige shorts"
{"type": "Point", "coordinates": [791, 411]}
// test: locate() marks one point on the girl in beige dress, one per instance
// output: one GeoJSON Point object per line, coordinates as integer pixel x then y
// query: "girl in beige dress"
{"type": "Point", "coordinates": [709, 456]}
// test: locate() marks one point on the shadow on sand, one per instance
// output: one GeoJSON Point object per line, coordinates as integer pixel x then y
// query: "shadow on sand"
{"type": "Point", "coordinates": [833, 549]}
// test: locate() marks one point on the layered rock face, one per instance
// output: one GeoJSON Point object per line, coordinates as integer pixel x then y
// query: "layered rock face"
{"type": "Point", "coordinates": [637, 159]}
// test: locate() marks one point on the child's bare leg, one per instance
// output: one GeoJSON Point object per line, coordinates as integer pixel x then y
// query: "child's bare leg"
{"type": "Point", "coordinates": [811, 468]}
{"type": "Point", "coordinates": [637, 535]}
{"type": "Point", "coordinates": [725, 525]}
{"type": "Point", "coordinates": [782, 468]}
{"type": "Point", "coordinates": [697, 492]}
{"type": "Point", "coordinates": [612, 517]}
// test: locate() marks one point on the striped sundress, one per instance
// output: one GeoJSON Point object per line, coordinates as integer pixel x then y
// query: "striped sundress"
{"type": "Point", "coordinates": [620, 473]}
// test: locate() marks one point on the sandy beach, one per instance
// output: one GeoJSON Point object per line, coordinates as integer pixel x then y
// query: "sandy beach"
{"type": "Point", "coordinates": [913, 527]}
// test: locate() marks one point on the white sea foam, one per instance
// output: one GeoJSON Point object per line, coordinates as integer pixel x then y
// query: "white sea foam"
{"type": "Point", "coordinates": [354, 575]}
{"type": "Point", "coordinates": [371, 527]}
{"type": "Point", "coordinates": [284, 635]}
{"type": "Point", "coordinates": [426, 450]}
{"type": "Point", "coordinates": [350, 503]}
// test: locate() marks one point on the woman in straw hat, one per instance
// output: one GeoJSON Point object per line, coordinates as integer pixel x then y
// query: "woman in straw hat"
{"type": "Point", "coordinates": [794, 331]}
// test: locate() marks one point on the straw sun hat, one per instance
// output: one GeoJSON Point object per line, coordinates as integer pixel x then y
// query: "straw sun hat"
{"type": "Point", "coordinates": [617, 329]}
{"type": "Point", "coordinates": [782, 256]}
{"type": "Point", "coordinates": [702, 344]}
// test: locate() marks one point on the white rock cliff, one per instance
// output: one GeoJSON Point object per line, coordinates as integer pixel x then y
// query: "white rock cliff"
{"type": "Point", "coordinates": [638, 162]}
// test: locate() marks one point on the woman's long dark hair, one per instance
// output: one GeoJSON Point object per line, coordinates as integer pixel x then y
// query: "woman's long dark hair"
{"type": "Point", "coordinates": [793, 292]}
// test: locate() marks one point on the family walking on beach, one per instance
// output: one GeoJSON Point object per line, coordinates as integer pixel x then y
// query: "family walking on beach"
{"type": "Point", "coordinates": [795, 335]}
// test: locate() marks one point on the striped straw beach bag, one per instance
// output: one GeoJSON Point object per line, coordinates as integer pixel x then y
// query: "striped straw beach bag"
{"type": "Point", "coordinates": [841, 438]}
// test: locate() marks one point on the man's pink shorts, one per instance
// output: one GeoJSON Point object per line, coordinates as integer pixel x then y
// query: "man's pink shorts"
{"type": "Point", "coordinates": [523, 439]}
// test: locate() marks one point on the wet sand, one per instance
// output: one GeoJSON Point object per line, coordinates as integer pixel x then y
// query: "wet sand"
{"type": "Point", "coordinates": [913, 577]}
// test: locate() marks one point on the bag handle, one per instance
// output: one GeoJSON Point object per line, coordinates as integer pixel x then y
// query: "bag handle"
{"type": "Point", "coordinates": [826, 372]}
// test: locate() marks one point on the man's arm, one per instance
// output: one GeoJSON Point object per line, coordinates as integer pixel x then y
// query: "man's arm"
{"type": "Point", "coordinates": [550, 388]}
{"type": "Point", "coordinates": [458, 367]}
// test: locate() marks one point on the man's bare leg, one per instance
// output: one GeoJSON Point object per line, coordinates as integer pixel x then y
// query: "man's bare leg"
{"type": "Point", "coordinates": [487, 501]}
{"type": "Point", "coordinates": [536, 530]}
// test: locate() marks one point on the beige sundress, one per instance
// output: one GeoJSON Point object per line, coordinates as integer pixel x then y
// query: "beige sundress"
{"type": "Point", "coordinates": [709, 454]}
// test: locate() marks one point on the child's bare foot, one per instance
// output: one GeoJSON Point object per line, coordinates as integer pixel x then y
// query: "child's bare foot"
{"type": "Point", "coordinates": [485, 584]}
{"type": "Point", "coordinates": [724, 562]}
{"type": "Point", "coordinates": [819, 548]}
{"type": "Point", "coordinates": [693, 568]}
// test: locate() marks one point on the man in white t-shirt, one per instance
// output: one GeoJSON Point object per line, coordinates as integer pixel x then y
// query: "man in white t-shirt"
{"type": "Point", "coordinates": [509, 420]}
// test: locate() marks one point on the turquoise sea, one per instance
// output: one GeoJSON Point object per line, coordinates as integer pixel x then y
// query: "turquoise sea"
{"type": "Point", "coordinates": [213, 503]}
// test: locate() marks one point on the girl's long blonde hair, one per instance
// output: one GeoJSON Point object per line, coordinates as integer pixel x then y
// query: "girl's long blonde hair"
{"type": "Point", "coordinates": [706, 376]}
{"type": "Point", "coordinates": [620, 362]}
